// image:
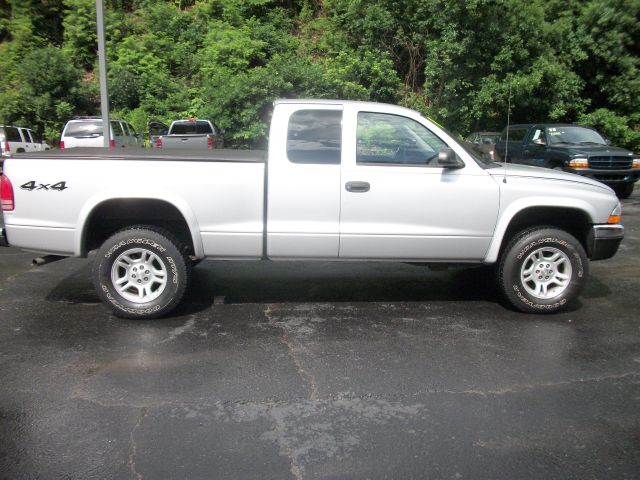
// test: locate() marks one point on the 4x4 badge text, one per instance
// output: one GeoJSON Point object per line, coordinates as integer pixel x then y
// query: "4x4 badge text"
{"type": "Point", "coordinates": [33, 185]}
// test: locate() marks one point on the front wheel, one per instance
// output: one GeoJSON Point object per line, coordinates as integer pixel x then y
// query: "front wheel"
{"type": "Point", "coordinates": [141, 272]}
{"type": "Point", "coordinates": [542, 270]}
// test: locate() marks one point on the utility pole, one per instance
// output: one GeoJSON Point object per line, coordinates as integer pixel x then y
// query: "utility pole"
{"type": "Point", "coordinates": [102, 67]}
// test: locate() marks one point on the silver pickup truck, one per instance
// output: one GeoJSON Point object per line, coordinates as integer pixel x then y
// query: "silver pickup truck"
{"type": "Point", "coordinates": [191, 134]}
{"type": "Point", "coordinates": [340, 181]}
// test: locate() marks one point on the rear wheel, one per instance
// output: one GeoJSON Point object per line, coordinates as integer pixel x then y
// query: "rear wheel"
{"type": "Point", "coordinates": [141, 272]}
{"type": "Point", "coordinates": [625, 190]}
{"type": "Point", "coordinates": [542, 270]}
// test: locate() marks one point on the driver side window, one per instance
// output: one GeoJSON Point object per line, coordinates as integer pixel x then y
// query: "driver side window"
{"type": "Point", "coordinates": [392, 139]}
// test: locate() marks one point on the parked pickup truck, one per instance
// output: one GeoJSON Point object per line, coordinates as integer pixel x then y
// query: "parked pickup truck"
{"type": "Point", "coordinates": [340, 181]}
{"type": "Point", "coordinates": [192, 134]}
{"type": "Point", "coordinates": [574, 149]}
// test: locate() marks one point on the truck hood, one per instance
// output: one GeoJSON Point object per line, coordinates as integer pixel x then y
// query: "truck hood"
{"type": "Point", "coordinates": [596, 150]}
{"type": "Point", "coordinates": [543, 174]}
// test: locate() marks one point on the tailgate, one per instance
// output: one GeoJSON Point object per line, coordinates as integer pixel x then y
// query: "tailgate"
{"type": "Point", "coordinates": [189, 142]}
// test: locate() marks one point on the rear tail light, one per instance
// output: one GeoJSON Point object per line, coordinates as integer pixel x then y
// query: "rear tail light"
{"type": "Point", "coordinates": [7, 147]}
{"type": "Point", "coordinates": [61, 143]}
{"type": "Point", "coordinates": [159, 142]}
{"type": "Point", "coordinates": [6, 194]}
{"type": "Point", "coordinates": [112, 143]}
{"type": "Point", "coordinates": [210, 143]}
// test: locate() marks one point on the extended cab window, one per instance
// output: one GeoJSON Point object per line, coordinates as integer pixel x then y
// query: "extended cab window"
{"type": "Point", "coordinates": [391, 139]}
{"type": "Point", "coordinates": [315, 136]}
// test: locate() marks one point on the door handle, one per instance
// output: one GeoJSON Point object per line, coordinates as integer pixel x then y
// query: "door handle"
{"type": "Point", "coordinates": [357, 187]}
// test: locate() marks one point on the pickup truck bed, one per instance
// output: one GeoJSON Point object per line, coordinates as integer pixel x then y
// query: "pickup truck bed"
{"type": "Point", "coordinates": [218, 193]}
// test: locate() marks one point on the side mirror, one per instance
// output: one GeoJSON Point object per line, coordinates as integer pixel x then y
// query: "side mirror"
{"type": "Point", "coordinates": [447, 158]}
{"type": "Point", "coordinates": [539, 141]}
{"type": "Point", "coordinates": [607, 141]}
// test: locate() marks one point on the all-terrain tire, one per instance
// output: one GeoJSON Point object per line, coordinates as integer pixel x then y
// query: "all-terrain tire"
{"type": "Point", "coordinates": [542, 270]}
{"type": "Point", "coordinates": [141, 272]}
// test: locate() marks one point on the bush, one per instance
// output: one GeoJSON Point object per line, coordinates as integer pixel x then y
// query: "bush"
{"type": "Point", "coordinates": [615, 127]}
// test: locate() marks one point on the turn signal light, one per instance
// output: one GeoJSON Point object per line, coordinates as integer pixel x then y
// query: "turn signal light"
{"type": "Point", "coordinates": [579, 163]}
{"type": "Point", "coordinates": [6, 194]}
{"type": "Point", "coordinates": [616, 214]}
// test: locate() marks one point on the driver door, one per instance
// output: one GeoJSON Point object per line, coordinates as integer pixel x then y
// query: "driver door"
{"type": "Point", "coordinates": [397, 203]}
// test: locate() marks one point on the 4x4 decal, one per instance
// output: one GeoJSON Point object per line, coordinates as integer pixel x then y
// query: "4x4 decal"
{"type": "Point", "coordinates": [33, 185]}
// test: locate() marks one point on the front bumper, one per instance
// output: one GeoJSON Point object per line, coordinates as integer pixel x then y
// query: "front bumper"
{"type": "Point", "coordinates": [603, 241]}
{"type": "Point", "coordinates": [3, 238]}
{"type": "Point", "coordinates": [609, 177]}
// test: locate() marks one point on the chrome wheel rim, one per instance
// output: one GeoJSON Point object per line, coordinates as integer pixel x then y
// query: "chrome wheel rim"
{"type": "Point", "coordinates": [139, 275]}
{"type": "Point", "coordinates": [546, 273]}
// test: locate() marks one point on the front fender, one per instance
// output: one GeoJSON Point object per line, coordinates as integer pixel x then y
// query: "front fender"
{"type": "Point", "coordinates": [517, 206]}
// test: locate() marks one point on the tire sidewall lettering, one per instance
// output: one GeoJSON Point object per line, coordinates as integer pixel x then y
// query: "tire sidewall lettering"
{"type": "Point", "coordinates": [130, 241]}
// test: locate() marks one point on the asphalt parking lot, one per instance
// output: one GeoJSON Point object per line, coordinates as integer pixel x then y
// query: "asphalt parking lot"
{"type": "Point", "coordinates": [321, 370]}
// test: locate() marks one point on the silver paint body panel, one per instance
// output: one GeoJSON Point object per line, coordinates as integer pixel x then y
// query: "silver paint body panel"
{"type": "Point", "coordinates": [410, 213]}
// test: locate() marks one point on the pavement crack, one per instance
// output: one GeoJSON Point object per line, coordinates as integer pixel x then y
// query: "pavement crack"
{"type": "Point", "coordinates": [536, 386]}
{"type": "Point", "coordinates": [295, 350]}
{"type": "Point", "coordinates": [176, 332]}
{"type": "Point", "coordinates": [133, 447]}
{"type": "Point", "coordinates": [278, 429]}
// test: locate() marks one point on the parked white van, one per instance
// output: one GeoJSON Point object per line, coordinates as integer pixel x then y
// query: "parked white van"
{"type": "Point", "coordinates": [87, 132]}
{"type": "Point", "coordinates": [20, 140]}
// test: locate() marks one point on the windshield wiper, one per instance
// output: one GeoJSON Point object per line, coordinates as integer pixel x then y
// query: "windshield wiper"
{"type": "Point", "coordinates": [591, 143]}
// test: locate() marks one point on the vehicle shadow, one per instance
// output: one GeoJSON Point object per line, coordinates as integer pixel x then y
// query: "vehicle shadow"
{"type": "Point", "coordinates": [285, 282]}
{"type": "Point", "coordinates": [300, 282]}
{"type": "Point", "coordinates": [240, 282]}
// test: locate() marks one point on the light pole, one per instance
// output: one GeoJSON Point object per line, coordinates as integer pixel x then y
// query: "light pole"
{"type": "Point", "coordinates": [102, 68]}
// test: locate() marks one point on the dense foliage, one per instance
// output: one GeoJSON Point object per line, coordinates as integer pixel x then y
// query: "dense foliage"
{"type": "Point", "coordinates": [227, 60]}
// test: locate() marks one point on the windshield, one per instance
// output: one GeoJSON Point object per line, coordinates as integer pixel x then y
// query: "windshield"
{"type": "Point", "coordinates": [190, 127]}
{"type": "Point", "coordinates": [574, 135]}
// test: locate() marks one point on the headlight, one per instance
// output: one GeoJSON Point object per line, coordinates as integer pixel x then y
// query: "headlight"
{"type": "Point", "coordinates": [615, 215]}
{"type": "Point", "coordinates": [636, 162]}
{"type": "Point", "coordinates": [579, 162]}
